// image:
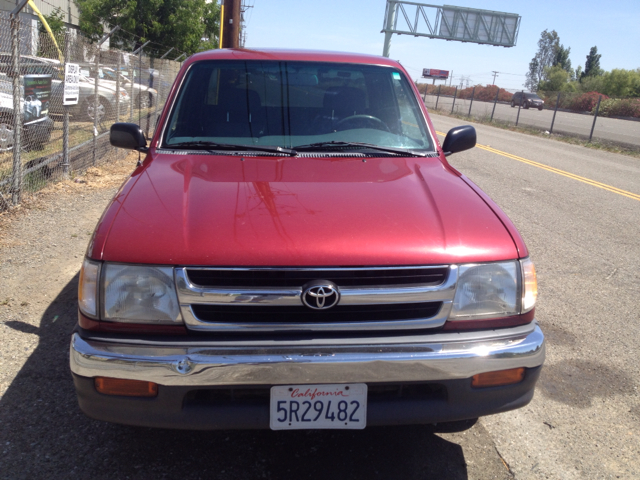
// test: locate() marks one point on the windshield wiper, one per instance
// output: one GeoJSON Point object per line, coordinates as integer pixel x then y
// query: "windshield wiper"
{"type": "Point", "coordinates": [335, 144]}
{"type": "Point", "coordinates": [204, 145]}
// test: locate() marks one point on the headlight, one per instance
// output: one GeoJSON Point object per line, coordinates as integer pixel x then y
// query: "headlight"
{"type": "Point", "coordinates": [88, 288]}
{"type": "Point", "coordinates": [494, 290]}
{"type": "Point", "coordinates": [136, 294]}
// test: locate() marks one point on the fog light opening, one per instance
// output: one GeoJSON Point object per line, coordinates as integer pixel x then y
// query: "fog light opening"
{"type": "Point", "coordinates": [499, 378]}
{"type": "Point", "coordinates": [128, 388]}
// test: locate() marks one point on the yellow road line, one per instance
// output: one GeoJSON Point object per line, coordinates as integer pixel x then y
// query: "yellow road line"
{"type": "Point", "coordinates": [588, 181]}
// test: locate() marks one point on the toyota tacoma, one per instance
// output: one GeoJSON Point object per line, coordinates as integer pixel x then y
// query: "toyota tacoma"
{"type": "Point", "coordinates": [294, 251]}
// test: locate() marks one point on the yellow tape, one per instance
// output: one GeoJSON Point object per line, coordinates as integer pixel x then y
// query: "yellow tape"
{"type": "Point", "coordinates": [46, 26]}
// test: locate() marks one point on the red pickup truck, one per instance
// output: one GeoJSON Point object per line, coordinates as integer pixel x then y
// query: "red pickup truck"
{"type": "Point", "coordinates": [295, 252]}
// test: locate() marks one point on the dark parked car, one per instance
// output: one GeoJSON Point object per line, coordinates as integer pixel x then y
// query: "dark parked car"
{"type": "Point", "coordinates": [527, 100]}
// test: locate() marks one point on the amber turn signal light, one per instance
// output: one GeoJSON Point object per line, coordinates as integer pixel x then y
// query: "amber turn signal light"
{"type": "Point", "coordinates": [128, 388]}
{"type": "Point", "coordinates": [496, 379]}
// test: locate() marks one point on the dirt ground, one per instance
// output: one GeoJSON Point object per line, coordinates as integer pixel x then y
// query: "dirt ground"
{"type": "Point", "coordinates": [42, 243]}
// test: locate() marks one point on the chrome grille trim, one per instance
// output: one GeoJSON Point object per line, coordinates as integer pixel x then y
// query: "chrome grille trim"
{"type": "Point", "coordinates": [189, 293]}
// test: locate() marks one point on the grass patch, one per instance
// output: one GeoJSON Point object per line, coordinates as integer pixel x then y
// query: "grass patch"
{"type": "Point", "coordinates": [538, 132]}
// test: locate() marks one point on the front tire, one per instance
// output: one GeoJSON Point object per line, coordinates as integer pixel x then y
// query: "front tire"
{"type": "Point", "coordinates": [143, 101]}
{"type": "Point", "coordinates": [104, 110]}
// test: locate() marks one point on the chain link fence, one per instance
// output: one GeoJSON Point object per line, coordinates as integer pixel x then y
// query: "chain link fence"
{"type": "Point", "coordinates": [42, 140]}
{"type": "Point", "coordinates": [589, 116]}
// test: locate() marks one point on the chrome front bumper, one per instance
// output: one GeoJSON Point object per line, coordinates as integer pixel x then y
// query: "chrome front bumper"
{"type": "Point", "coordinates": [444, 356]}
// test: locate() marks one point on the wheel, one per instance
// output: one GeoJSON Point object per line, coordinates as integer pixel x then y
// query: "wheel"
{"type": "Point", "coordinates": [354, 119]}
{"type": "Point", "coordinates": [540, 107]}
{"type": "Point", "coordinates": [6, 133]}
{"type": "Point", "coordinates": [143, 101]}
{"type": "Point", "coordinates": [526, 105]}
{"type": "Point", "coordinates": [104, 109]}
{"type": "Point", "coordinates": [513, 104]}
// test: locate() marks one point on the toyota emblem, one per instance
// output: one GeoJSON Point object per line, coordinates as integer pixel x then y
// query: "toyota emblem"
{"type": "Point", "coordinates": [320, 295]}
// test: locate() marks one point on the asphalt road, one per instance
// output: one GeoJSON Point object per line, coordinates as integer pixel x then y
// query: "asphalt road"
{"type": "Point", "coordinates": [584, 421]}
{"type": "Point", "coordinates": [580, 217]}
{"type": "Point", "coordinates": [626, 132]}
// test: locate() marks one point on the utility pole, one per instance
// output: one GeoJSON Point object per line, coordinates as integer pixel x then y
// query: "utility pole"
{"type": "Point", "coordinates": [231, 24]}
{"type": "Point", "coordinates": [495, 74]}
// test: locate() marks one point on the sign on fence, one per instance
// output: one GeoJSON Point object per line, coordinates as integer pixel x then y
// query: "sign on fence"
{"type": "Point", "coordinates": [71, 84]}
{"type": "Point", "coordinates": [37, 97]}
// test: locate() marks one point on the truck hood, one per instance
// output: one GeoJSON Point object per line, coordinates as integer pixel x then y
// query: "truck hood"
{"type": "Point", "coordinates": [194, 209]}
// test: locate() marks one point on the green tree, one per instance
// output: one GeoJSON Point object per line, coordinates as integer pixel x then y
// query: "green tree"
{"type": "Point", "coordinates": [557, 80]}
{"type": "Point", "coordinates": [578, 73]}
{"type": "Point", "coordinates": [547, 48]}
{"type": "Point", "coordinates": [533, 79]}
{"type": "Point", "coordinates": [189, 26]}
{"type": "Point", "coordinates": [621, 83]}
{"type": "Point", "coordinates": [562, 59]}
{"type": "Point", "coordinates": [592, 65]}
{"type": "Point", "coordinates": [591, 83]}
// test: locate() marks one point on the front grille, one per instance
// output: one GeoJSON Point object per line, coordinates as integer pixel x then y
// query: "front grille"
{"type": "Point", "coordinates": [249, 300]}
{"type": "Point", "coordinates": [297, 314]}
{"type": "Point", "coordinates": [296, 278]}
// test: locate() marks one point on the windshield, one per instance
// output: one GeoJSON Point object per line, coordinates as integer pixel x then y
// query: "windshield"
{"type": "Point", "coordinates": [288, 104]}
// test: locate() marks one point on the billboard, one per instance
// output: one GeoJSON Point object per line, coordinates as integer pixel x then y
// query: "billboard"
{"type": "Point", "coordinates": [435, 73]}
{"type": "Point", "coordinates": [37, 96]}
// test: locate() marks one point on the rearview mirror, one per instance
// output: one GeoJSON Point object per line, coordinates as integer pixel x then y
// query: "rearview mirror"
{"type": "Point", "coordinates": [128, 135]}
{"type": "Point", "coordinates": [459, 139]}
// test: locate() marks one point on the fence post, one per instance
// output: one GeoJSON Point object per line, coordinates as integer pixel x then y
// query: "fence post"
{"type": "Point", "coordinates": [438, 97]}
{"type": "Point", "coordinates": [16, 181]}
{"type": "Point", "coordinates": [131, 97]}
{"type": "Point", "coordinates": [118, 65]}
{"type": "Point", "coordinates": [595, 117]}
{"type": "Point", "coordinates": [519, 107]}
{"type": "Point", "coordinates": [473, 92]}
{"type": "Point", "coordinates": [495, 101]}
{"type": "Point", "coordinates": [96, 105]}
{"type": "Point", "coordinates": [454, 99]}
{"type": "Point", "coordinates": [140, 80]}
{"type": "Point", "coordinates": [158, 93]}
{"type": "Point", "coordinates": [553, 120]}
{"type": "Point", "coordinates": [65, 119]}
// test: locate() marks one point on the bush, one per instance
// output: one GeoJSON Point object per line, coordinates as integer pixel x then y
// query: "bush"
{"type": "Point", "coordinates": [585, 102]}
{"type": "Point", "coordinates": [482, 94]}
{"type": "Point", "coordinates": [620, 107]}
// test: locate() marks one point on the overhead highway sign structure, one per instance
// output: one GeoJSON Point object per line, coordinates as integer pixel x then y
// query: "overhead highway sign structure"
{"type": "Point", "coordinates": [449, 23]}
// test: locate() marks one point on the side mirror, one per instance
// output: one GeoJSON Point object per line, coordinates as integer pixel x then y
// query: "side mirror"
{"type": "Point", "coordinates": [459, 139]}
{"type": "Point", "coordinates": [128, 135]}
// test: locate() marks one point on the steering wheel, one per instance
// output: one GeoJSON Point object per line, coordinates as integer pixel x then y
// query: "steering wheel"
{"type": "Point", "coordinates": [372, 121]}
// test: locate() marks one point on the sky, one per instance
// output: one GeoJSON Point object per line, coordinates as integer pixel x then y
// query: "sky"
{"type": "Point", "coordinates": [354, 26]}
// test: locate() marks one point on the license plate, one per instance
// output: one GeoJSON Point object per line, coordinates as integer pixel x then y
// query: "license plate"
{"type": "Point", "coordinates": [339, 406]}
